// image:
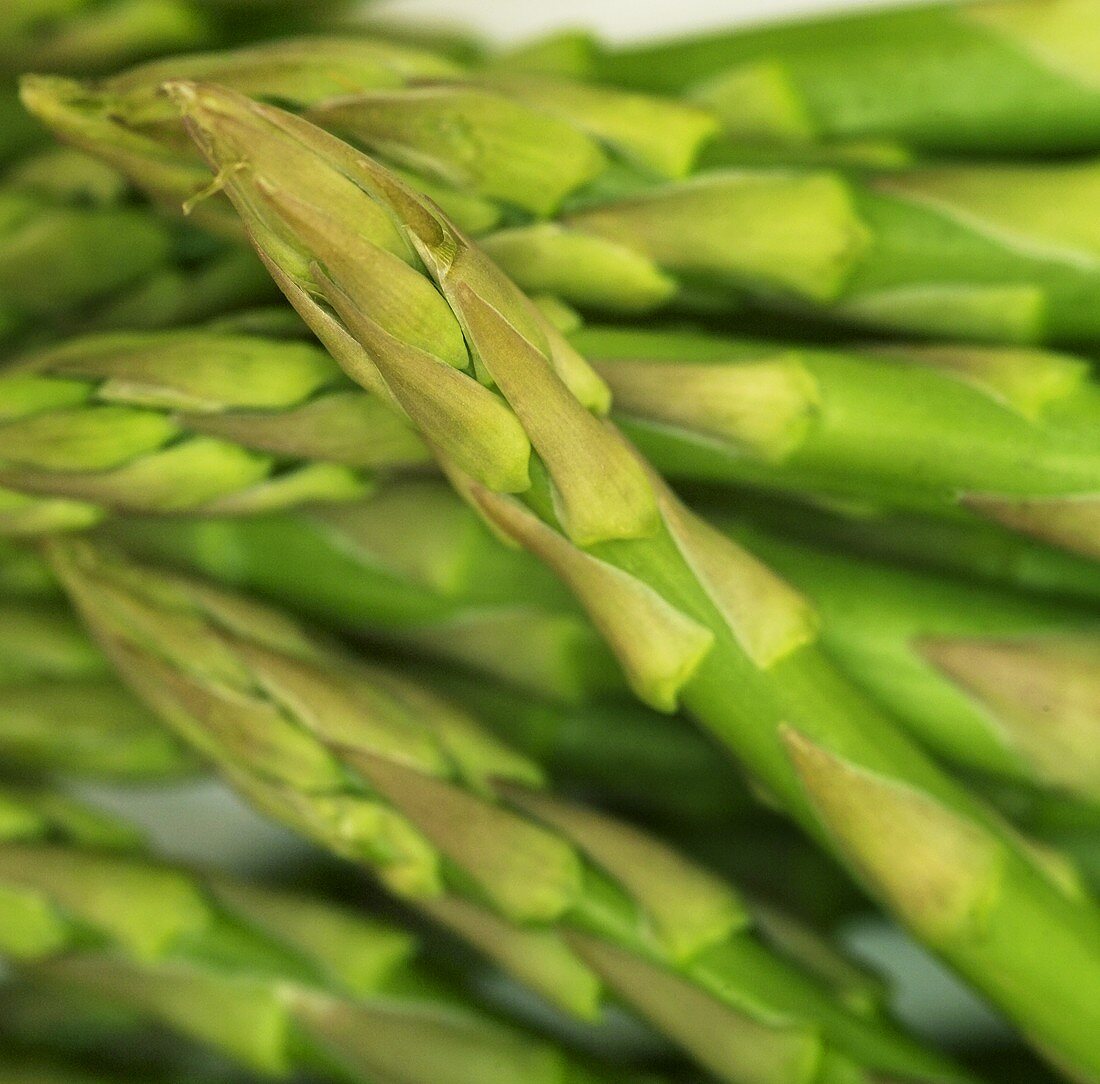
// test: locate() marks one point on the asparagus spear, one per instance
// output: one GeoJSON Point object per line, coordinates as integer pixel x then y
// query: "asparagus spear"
{"type": "Point", "coordinates": [931, 650]}
{"type": "Point", "coordinates": [186, 420]}
{"type": "Point", "coordinates": [976, 551]}
{"type": "Point", "coordinates": [993, 76]}
{"type": "Point", "coordinates": [991, 681]}
{"type": "Point", "coordinates": [383, 772]}
{"type": "Point", "coordinates": [1007, 434]}
{"type": "Point", "coordinates": [62, 709]}
{"type": "Point", "coordinates": [91, 35]}
{"type": "Point", "coordinates": [489, 148]}
{"type": "Point", "coordinates": [274, 980]}
{"type": "Point", "coordinates": [513, 415]}
{"type": "Point", "coordinates": [980, 251]}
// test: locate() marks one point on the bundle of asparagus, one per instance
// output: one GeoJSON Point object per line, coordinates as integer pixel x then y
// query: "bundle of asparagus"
{"type": "Point", "coordinates": [263, 321]}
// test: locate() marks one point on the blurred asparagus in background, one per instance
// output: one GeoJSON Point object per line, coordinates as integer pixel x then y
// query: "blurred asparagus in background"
{"type": "Point", "coordinates": [62, 710]}
{"type": "Point", "coordinates": [974, 551]}
{"type": "Point", "coordinates": [185, 420]}
{"type": "Point", "coordinates": [991, 681]}
{"type": "Point", "coordinates": [379, 770]}
{"type": "Point", "coordinates": [79, 254]}
{"type": "Point", "coordinates": [1010, 77]}
{"type": "Point", "coordinates": [274, 980]}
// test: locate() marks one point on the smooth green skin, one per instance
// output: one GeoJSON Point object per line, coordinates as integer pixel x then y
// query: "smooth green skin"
{"type": "Point", "coordinates": [873, 618]}
{"type": "Point", "coordinates": [737, 966]}
{"type": "Point", "coordinates": [241, 951]}
{"type": "Point", "coordinates": [927, 78]}
{"type": "Point", "coordinates": [971, 550]}
{"type": "Point", "coordinates": [1033, 935]}
{"type": "Point", "coordinates": [883, 432]}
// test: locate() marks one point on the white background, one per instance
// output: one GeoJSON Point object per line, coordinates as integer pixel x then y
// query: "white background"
{"type": "Point", "coordinates": [617, 20]}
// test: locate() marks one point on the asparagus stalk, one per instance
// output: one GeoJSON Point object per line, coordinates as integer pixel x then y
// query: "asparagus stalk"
{"type": "Point", "coordinates": [986, 679]}
{"type": "Point", "coordinates": [991, 681]}
{"type": "Point", "coordinates": [1009, 78]}
{"type": "Point", "coordinates": [976, 551]}
{"type": "Point", "coordinates": [1010, 435]}
{"type": "Point", "coordinates": [63, 711]}
{"type": "Point", "coordinates": [57, 258]}
{"type": "Point", "coordinates": [274, 980]}
{"type": "Point", "coordinates": [186, 420]}
{"type": "Point", "coordinates": [91, 35]}
{"type": "Point", "coordinates": [381, 771]}
{"type": "Point", "coordinates": [513, 415]}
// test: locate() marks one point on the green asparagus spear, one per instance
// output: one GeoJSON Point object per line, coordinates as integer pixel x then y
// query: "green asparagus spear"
{"type": "Point", "coordinates": [186, 420]}
{"type": "Point", "coordinates": [1010, 435]}
{"type": "Point", "coordinates": [512, 413]}
{"type": "Point", "coordinates": [991, 681]}
{"type": "Point", "coordinates": [976, 551]}
{"type": "Point", "coordinates": [63, 711]}
{"type": "Point", "coordinates": [1009, 77]}
{"type": "Point", "coordinates": [272, 979]}
{"type": "Point", "coordinates": [381, 771]}
{"type": "Point", "coordinates": [987, 680]}
{"type": "Point", "coordinates": [979, 251]}
{"type": "Point", "coordinates": [95, 35]}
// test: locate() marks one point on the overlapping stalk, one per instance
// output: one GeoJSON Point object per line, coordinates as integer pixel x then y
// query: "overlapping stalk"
{"type": "Point", "coordinates": [275, 980]}
{"type": "Point", "coordinates": [985, 679]}
{"type": "Point", "coordinates": [62, 710]}
{"type": "Point", "coordinates": [185, 421]}
{"type": "Point", "coordinates": [988, 680]}
{"type": "Point", "coordinates": [380, 770]}
{"type": "Point", "coordinates": [77, 254]}
{"type": "Point", "coordinates": [976, 550]}
{"type": "Point", "coordinates": [979, 251]}
{"type": "Point", "coordinates": [1013, 78]}
{"type": "Point", "coordinates": [513, 414]}
{"type": "Point", "coordinates": [1011, 435]}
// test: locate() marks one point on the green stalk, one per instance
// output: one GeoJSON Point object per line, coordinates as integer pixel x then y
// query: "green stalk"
{"type": "Point", "coordinates": [490, 148]}
{"type": "Point", "coordinates": [975, 551]}
{"type": "Point", "coordinates": [1010, 435]}
{"type": "Point", "coordinates": [79, 255]}
{"type": "Point", "coordinates": [512, 414]}
{"type": "Point", "coordinates": [185, 421]}
{"type": "Point", "coordinates": [986, 679]}
{"type": "Point", "coordinates": [95, 35]}
{"type": "Point", "coordinates": [577, 905]}
{"type": "Point", "coordinates": [990, 681]}
{"type": "Point", "coordinates": [274, 980]}
{"type": "Point", "coordinates": [62, 711]}
{"type": "Point", "coordinates": [1011, 78]}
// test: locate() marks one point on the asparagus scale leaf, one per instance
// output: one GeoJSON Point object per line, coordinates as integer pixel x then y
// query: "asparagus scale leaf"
{"type": "Point", "coordinates": [514, 416]}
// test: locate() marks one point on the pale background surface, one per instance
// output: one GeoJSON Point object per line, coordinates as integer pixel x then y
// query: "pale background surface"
{"type": "Point", "coordinates": [617, 20]}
